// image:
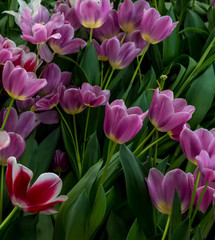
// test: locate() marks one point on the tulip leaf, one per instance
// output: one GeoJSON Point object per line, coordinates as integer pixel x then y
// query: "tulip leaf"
{"type": "Point", "coordinates": [136, 232]}
{"type": "Point", "coordinates": [76, 220]}
{"type": "Point", "coordinates": [137, 192]}
{"type": "Point", "coordinates": [44, 227]}
{"type": "Point", "coordinates": [45, 153]}
{"type": "Point", "coordinates": [198, 234]}
{"type": "Point", "coordinates": [91, 157]}
{"type": "Point", "coordinates": [176, 212]}
{"type": "Point", "coordinates": [98, 211]}
{"type": "Point", "coordinates": [3, 22]}
{"type": "Point", "coordinates": [86, 183]}
{"type": "Point", "coordinates": [201, 94]}
{"type": "Point", "coordinates": [182, 231]}
{"type": "Point", "coordinates": [90, 64]}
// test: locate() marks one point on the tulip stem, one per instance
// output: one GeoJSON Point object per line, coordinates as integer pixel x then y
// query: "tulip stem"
{"type": "Point", "coordinates": [91, 35]}
{"type": "Point", "coordinates": [144, 141]}
{"type": "Point", "coordinates": [38, 50]}
{"type": "Point", "coordinates": [184, 85]}
{"type": "Point", "coordinates": [73, 141]}
{"type": "Point", "coordinates": [102, 73]}
{"type": "Point", "coordinates": [140, 75]}
{"type": "Point", "coordinates": [135, 72]}
{"type": "Point", "coordinates": [156, 5]}
{"type": "Point", "coordinates": [8, 218]}
{"type": "Point", "coordinates": [123, 38]}
{"type": "Point", "coordinates": [193, 5]}
{"type": "Point", "coordinates": [156, 149]}
{"type": "Point", "coordinates": [108, 81]}
{"type": "Point", "coordinates": [1, 192]}
{"type": "Point", "coordinates": [152, 144]}
{"type": "Point", "coordinates": [106, 75]}
{"type": "Point", "coordinates": [85, 132]}
{"type": "Point", "coordinates": [193, 194]}
{"type": "Point", "coordinates": [7, 114]}
{"type": "Point", "coordinates": [199, 202]}
{"type": "Point", "coordinates": [166, 228]}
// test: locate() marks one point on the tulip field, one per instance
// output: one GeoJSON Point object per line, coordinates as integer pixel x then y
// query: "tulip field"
{"type": "Point", "coordinates": [107, 119]}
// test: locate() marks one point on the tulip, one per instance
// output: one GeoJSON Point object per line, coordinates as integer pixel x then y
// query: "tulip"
{"type": "Point", "coordinates": [101, 50]}
{"type": "Point", "coordinates": [92, 14]}
{"type": "Point", "coordinates": [40, 197]}
{"type": "Point", "coordinates": [192, 142]}
{"type": "Point", "coordinates": [71, 101]}
{"type": "Point", "coordinates": [120, 55]}
{"type": "Point", "coordinates": [26, 84]}
{"type": "Point", "coordinates": [213, 1]}
{"type": "Point", "coordinates": [155, 28]}
{"type": "Point", "coordinates": [162, 189]}
{"type": "Point", "coordinates": [168, 114]}
{"type": "Point", "coordinates": [109, 29]}
{"type": "Point", "coordinates": [4, 139]}
{"type": "Point", "coordinates": [122, 124]}
{"type": "Point", "coordinates": [48, 117]}
{"type": "Point", "coordinates": [15, 148]}
{"type": "Point", "coordinates": [94, 96]}
{"type": "Point", "coordinates": [60, 162]}
{"type": "Point", "coordinates": [130, 14]}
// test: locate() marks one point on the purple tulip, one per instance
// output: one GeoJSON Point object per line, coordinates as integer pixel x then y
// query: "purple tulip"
{"type": "Point", "coordinates": [66, 44]}
{"type": "Point", "coordinates": [192, 142]}
{"type": "Point", "coordinates": [26, 84]}
{"type": "Point", "coordinates": [162, 189]}
{"type": "Point", "coordinates": [60, 163]}
{"type": "Point", "coordinates": [92, 14]}
{"type": "Point", "coordinates": [130, 14]}
{"type": "Point", "coordinates": [15, 148]}
{"type": "Point", "coordinates": [213, 1]}
{"type": "Point", "coordinates": [155, 28]}
{"type": "Point", "coordinates": [109, 29]}
{"type": "Point", "coordinates": [71, 100]}
{"type": "Point", "coordinates": [120, 55]}
{"type": "Point", "coordinates": [122, 124]}
{"type": "Point", "coordinates": [168, 114]}
{"type": "Point", "coordinates": [4, 139]}
{"type": "Point", "coordinates": [101, 50]}
{"type": "Point", "coordinates": [94, 96]}
{"type": "Point", "coordinates": [48, 117]}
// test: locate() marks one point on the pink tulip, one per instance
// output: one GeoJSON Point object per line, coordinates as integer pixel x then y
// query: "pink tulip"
{"type": "Point", "coordinates": [40, 197]}
{"type": "Point", "coordinates": [60, 162]}
{"type": "Point", "coordinates": [4, 139]}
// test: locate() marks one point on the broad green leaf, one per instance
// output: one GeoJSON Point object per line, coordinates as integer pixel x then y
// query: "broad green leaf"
{"type": "Point", "coordinates": [176, 212]}
{"type": "Point", "coordinates": [182, 231]}
{"type": "Point", "coordinates": [180, 72]}
{"type": "Point", "coordinates": [92, 153]}
{"type": "Point", "coordinates": [161, 7]}
{"type": "Point", "coordinates": [86, 183]}
{"type": "Point", "coordinates": [98, 212]}
{"type": "Point", "coordinates": [137, 193]}
{"type": "Point", "coordinates": [201, 94]}
{"type": "Point", "coordinates": [135, 232]}
{"type": "Point", "coordinates": [211, 18]}
{"type": "Point", "coordinates": [90, 64]}
{"type": "Point", "coordinates": [45, 153]}
{"type": "Point", "coordinates": [76, 219]}
{"type": "Point", "coordinates": [198, 234]}
{"type": "Point", "coordinates": [3, 22]}
{"type": "Point", "coordinates": [44, 227]}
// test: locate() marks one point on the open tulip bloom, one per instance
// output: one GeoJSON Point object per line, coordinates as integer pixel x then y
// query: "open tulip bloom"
{"type": "Point", "coordinates": [40, 197]}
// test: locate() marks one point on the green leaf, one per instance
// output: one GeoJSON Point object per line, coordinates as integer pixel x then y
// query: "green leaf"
{"type": "Point", "coordinates": [45, 153]}
{"type": "Point", "coordinates": [90, 64]}
{"type": "Point", "coordinates": [44, 227]}
{"type": "Point", "coordinates": [201, 94]}
{"type": "Point", "coordinates": [182, 231]}
{"type": "Point", "coordinates": [98, 212]}
{"type": "Point", "coordinates": [86, 183]}
{"type": "Point", "coordinates": [176, 212]}
{"type": "Point", "coordinates": [91, 157]}
{"type": "Point", "coordinates": [137, 193]}
{"type": "Point", "coordinates": [3, 22]}
{"type": "Point", "coordinates": [76, 219]}
{"type": "Point", "coordinates": [135, 232]}
{"type": "Point", "coordinates": [198, 234]}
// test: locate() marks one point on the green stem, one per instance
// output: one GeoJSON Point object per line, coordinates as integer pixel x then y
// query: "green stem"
{"type": "Point", "coordinates": [199, 202]}
{"type": "Point", "coordinates": [7, 114]}
{"type": "Point", "coordinates": [85, 132]}
{"type": "Point", "coordinates": [156, 5]}
{"type": "Point", "coordinates": [140, 75]}
{"type": "Point", "coordinates": [91, 35]}
{"type": "Point", "coordinates": [135, 72]}
{"type": "Point", "coordinates": [123, 38]}
{"type": "Point", "coordinates": [1, 192]}
{"type": "Point", "coordinates": [8, 218]}
{"type": "Point", "coordinates": [144, 141]}
{"type": "Point", "coordinates": [102, 73]}
{"type": "Point", "coordinates": [156, 149]}
{"type": "Point", "coordinates": [106, 75]}
{"type": "Point", "coordinates": [108, 81]}
{"type": "Point", "coordinates": [38, 50]}
{"type": "Point", "coordinates": [166, 228]}
{"type": "Point", "coordinates": [72, 138]}
{"type": "Point", "coordinates": [193, 194]}
{"type": "Point", "coordinates": [152, 144]}
{"type": "Point", "coordinates": [197, 66]}
{"type": "Point", "coordinates": [193, 5]}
